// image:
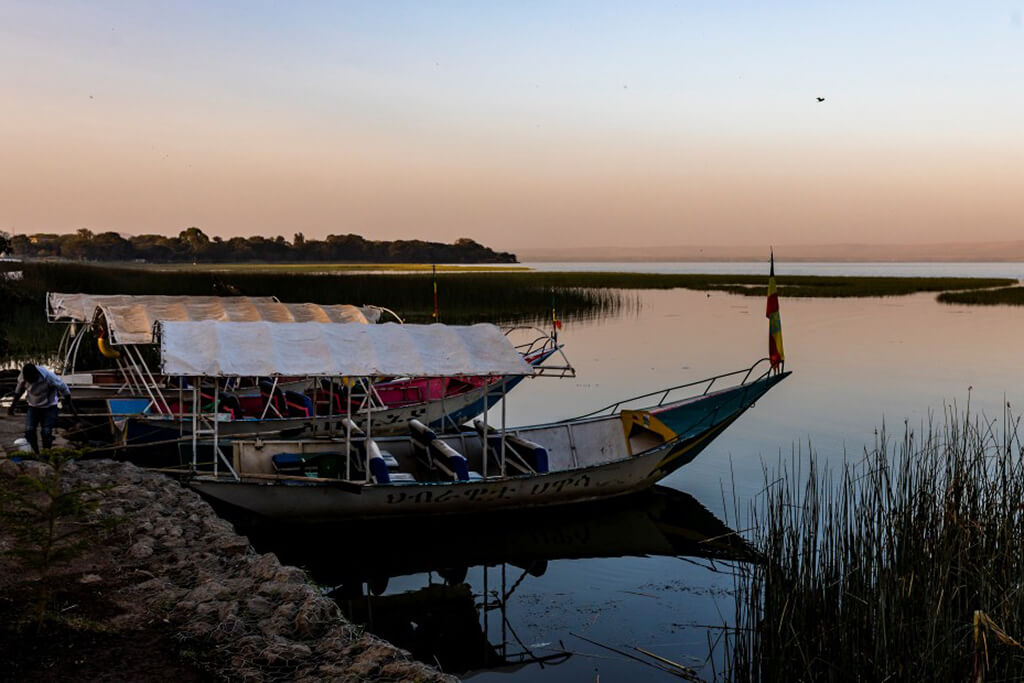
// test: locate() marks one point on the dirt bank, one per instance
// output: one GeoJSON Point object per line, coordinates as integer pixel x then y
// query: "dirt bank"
{"type": "Point", "coordinates": [172, 591]}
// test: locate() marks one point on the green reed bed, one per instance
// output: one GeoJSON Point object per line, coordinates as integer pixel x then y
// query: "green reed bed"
{"type": "Point", "coordinates": [907, 565]}
{"type": "Point", "coordinates": [1001, 296]}
{"type": "Point", "coordinates": [413, 283]}
{"type": "Point", "coordinates": [755, 285]}
{"type": "Point", "coordinates": [463, 297]}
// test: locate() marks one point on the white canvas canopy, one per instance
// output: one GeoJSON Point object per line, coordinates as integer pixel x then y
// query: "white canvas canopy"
{"type": "Point", "coordinates": [130, 319]}
{"type": "Point", "coordinates": [263, 349]}
{"type": "Point", "coordinates": [80, 308]}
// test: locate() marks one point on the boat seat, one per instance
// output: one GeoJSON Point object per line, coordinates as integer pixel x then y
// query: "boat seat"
{"type": "Point", "coordinates": [351, 426]}
{"type": "Point", "coordinates": [381, 465]}
{"type": "Point", "coordinates": [273, 394]}
{"type": "Point", "coordinates": [297, 404]}
{"type": "Point", "coordinates": [326, 465]}
{"type": "Point", "coordinates": [289, 463]}
{"type": "Point", "coordinates": [229, 403]}
{"type": "Point", "coordinates": [522, 455]}
{"type": "Point", "coordinates": [438, 454]}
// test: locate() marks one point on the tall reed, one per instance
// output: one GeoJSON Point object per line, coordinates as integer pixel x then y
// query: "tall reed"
{"type": "Point", "coordinates": [905, 565]}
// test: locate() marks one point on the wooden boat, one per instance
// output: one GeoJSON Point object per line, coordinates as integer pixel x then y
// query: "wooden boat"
{"type": "Point", "coordinates": [621, 449]}
{"type": "Point", "coordinates": [605, 454]}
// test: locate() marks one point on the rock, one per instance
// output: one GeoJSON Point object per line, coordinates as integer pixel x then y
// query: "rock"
{"type": "Point", "coordinates": [265, 566]}
{"type": "Point", "coordinates": [232, 545]}
{"type": "Point", "coordinates": [249, 617]}
{"type": "Point", "coordinates": [206, 591]}
{"type": "Point", "coordinates": [141, 549]}
{"type": "Point", "coordinates": [258, 606]}
{"type": "Point", "coordinates": [282, 651]}
{"type": "Point", "coordinates": [314, 616]}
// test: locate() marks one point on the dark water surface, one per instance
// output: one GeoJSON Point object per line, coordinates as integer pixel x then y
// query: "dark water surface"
{"type": "Point", "coordinates": [557, 584]}
{"type": "Point", "coordinates": [535, 597]}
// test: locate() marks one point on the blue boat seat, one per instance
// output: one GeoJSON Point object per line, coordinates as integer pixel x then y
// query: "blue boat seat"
{"type": "Point", "coordinates": [273, 394]}
{"type": "Point", "coordinates": [326, 465]}
{"type": "Point", "coordinates": [381, 465]}
{"type": "Point", "coordinates": [438, 454]}
{"type": "Point", "coordinates": [522, 455]}
{"type": "Point", "coordinates": [289, 463]}
{"type": "Point", "coordinates": [298, 404]}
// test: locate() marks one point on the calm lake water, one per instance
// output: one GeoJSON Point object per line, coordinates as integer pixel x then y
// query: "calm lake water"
{"type": "Point", "coordinates": [470, 596]}
{"type": "Point", "coordinates": [622, 576]}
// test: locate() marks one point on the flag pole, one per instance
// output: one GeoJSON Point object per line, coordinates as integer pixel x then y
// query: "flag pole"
{"type": "Point", "coordinates": [776, 352]}
{"type": "Point", "coordinates": [436, 315]}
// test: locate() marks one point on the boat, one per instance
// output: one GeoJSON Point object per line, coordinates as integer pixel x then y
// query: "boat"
{"type": "Point", "coordinates": [147, 406]}
{"type": "Point", "coordinates": [621, 449]}
{"type": "Point", "coordinates": [122, 326]}
{"type": "Point", "coordinates": [321, 407]}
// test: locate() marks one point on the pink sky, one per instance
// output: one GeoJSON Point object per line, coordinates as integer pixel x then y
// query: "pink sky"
{"type": "Point", "coordinates": [540, 125]}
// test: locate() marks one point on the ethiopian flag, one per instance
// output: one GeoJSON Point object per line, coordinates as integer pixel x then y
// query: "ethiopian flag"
{"type": "Point", "coordinates": [776, 354]}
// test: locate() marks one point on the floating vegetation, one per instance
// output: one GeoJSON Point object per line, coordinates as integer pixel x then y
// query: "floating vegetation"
{"type": "Point", "coordinates": [826, 286]}
{"type": "Point", "coordinates": [1001, 296]}
{"type": "Point", "coordinates": [908, 565]}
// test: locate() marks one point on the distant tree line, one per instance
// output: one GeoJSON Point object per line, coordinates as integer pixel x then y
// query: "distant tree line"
{"type": "Point", "coordinates": [193, 245]}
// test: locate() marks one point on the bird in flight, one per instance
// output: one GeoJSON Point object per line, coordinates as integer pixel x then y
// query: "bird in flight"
{"type": "Point", "coordinates": [821, 99]}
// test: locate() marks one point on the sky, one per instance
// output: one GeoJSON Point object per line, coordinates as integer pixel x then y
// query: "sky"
{"type": "Point", "coordinates": [518, 124]}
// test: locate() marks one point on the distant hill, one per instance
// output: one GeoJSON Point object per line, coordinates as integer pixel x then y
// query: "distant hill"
{"type": "Point", "coordinates": [940, 251]}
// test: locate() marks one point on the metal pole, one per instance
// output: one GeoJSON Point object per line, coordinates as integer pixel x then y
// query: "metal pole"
{"type": "Point", "coordinates": [487, 390]}
{"type": "Point", "coordinates": [504, 426]}
{"type": "Point", "coordinates": [216, 427]}
{"type": "Point", "coordinates": [368, 431]}
{"type": "Point", "coordinates": [270, 399]}
{"type": "Point", "coordinates": [348, 432]}
{"type": "Point", "coordinates": [195, 423]}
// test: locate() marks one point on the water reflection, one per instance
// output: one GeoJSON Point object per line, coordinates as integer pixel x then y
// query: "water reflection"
{"type": "Point", "coordinates": [461, 574]}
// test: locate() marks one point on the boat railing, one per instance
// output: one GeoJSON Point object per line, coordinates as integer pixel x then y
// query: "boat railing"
{"type": "Point", "coordinates": [543, 343]}
{"type": "Point", "coordinates": [663, 395]}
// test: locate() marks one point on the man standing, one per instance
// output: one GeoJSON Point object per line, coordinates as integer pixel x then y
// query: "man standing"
{"type": "Point", "coordinates": [41, 388]}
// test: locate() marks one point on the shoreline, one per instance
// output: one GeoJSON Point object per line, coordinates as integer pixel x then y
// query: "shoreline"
{"type": "Point", "coordinates": [172, 569]}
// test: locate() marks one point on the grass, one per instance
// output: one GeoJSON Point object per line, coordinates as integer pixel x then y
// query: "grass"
{"type": "Point", "coordinates": [1001, 296]}
{"type": "Point", "coordinates": [791, 286]}
{"type": "Point", "coordinates": [466, 294]}
{"type": "Point", "coordinates": [907, 565]}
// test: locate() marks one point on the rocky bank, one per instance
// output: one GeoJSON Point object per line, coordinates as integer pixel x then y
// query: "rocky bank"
{"type": "Point", "coordinates": [171, 566]}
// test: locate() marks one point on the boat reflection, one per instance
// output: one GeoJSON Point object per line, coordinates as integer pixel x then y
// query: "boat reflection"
{"type": "Point", "coordinates": [445, 621]}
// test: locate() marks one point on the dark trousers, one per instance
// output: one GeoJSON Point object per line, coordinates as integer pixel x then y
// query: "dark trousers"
{"type": "Point", "coordinates": [45, 417]}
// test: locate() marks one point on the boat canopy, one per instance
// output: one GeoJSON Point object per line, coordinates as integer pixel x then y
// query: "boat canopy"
{"type": "Point", "coordinates": [80, 308]}
{"type": "Point", "coordinates": [130, 319]}
{"type": "Point", "coordinates": [309, 349]}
